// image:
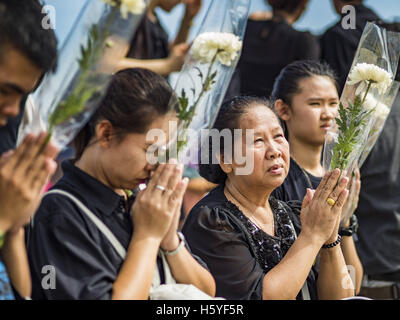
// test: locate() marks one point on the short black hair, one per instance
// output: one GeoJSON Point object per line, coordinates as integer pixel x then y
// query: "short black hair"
{"type": "Point", "coordinates": [228, 117]}
{"type": "Point", "coordinates": [289, 6]}
{"type": "Point", "coordinates": [21, 28]}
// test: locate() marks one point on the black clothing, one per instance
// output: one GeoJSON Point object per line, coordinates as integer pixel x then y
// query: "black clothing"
{"type": "Point", "coordinates": [296, 183]}
{"type": "Point", "coordinates": [150, 41]}
{"type": "Point", "coordinates": [339, 45]}
{"type": "Point", "coordinates": [268, 47]}
{"type": "Point", "coordinates": [237, 252]}
{"type": "Point", "coordinates": [378, 210]}
{"type": "Point", "coordinates": [64, 237]}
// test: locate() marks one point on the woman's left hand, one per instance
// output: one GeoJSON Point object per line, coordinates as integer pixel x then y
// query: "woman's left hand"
{"type": "Point", "coordinates": [171, 239]}
{"type": "Point", "coordinates": [352, 201]}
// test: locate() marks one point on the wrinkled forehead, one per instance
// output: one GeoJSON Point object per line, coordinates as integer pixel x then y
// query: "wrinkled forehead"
{"type": "Point", "coordinates": [259, 118]}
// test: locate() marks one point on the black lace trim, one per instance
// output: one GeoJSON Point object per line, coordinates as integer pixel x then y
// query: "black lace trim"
{"type": "Point", "coordinates": [269, 250]}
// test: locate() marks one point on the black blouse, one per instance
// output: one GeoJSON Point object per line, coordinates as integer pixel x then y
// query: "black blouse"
{"type": "Point", "coordinates": [63, 237]}
{"type": "Point", "coordinates": [237, 252]}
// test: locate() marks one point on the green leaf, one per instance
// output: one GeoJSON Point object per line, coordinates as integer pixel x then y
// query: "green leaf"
{"type": "Point", "coordinates": [351, 123]}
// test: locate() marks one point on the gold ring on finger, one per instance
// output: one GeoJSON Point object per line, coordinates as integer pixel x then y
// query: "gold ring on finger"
{"type": "Point", "coordinates": [330, 201]}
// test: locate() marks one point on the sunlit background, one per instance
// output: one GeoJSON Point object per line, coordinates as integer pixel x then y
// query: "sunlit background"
{"type": "Point", "coordinates": [319, 15]}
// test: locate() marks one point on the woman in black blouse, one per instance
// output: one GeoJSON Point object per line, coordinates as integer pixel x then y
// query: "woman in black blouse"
{"type": "Point", "coordinates": [257, 247]}
{"type": "Point", "coordinates": [111, 157]}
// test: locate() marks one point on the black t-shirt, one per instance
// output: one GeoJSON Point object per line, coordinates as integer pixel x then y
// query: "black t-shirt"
{"type": "Point", "coordinates": [237, 252]}
{"type": "Point", "coordinates": [339, 45]}
{"type": "Point", "coordinates": [64, 238]}
{"type": "Point", "coordinates": [296, 183]}
{"type": "Point", "coordinates": [268, 47]}
{"type": "Point", "coordinates": [150, 41]}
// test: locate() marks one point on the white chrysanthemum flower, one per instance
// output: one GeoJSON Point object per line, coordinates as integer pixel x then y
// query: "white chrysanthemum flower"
{"type": "Point", "coordinates": [128, 6]}
{"type": "Point", "coordinates": [208, 44]}
{"type": "Point", "coordinates": [365, 73]}
{"type": "Point", "coordinates": [381, 110]}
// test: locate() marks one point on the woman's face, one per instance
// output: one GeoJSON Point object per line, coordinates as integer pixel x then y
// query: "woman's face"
{"type": "Point", "coordinates": [125, 162]}
{"type": "Point", "coordinates": [269, 148]}
{"type": "Point", "coordinates": [312, 110]}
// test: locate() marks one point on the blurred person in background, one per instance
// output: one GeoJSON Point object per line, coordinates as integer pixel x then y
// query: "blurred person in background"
{"type": "Point", "coordinates": [150, 47]}
{"type": "Point", "coordinates": [271, 43]}
{"type": "Point", "coordinates": [339, 45]}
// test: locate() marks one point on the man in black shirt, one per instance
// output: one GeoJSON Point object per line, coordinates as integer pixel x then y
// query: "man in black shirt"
{"type": "Point", "coordinates": [338, 45]}
{"type": "Point", "coordinates": [378, 211]}
{"type": "Point", "coordinates": [27, 52]}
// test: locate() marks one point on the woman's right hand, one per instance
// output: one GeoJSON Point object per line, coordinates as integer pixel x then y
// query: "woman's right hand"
{"type": "Point", "coordinates": [154, 209]}
{"type": "Point", "coordinates": [318, 218]}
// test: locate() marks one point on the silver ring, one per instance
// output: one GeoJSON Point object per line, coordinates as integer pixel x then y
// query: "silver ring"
{"type": "Point", "coordinates": [160, 187]}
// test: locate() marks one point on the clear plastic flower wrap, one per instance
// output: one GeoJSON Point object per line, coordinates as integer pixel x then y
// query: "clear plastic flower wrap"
{"type": "Point", "coordinates": [205, 76]}
{"type": "Point", "coordinates": [380, 114]}
{"type": "Point", "coordinates": [370, 85]}
{"type": "Point", "coordinates": [68, 97]}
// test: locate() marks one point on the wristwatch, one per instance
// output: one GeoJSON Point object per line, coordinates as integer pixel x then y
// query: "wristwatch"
{"type": "Point", "coordinates": [352, 229]}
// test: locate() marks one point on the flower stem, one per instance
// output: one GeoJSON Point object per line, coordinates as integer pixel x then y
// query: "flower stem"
{"type": "Point", "coordinates": [205, 87]}
{"type": "Point", "coordinates": [204, 84]}
{"type": "Point", "coordinates": [93, 52]}
{"type": "Point", "coordinates": [366, 92]}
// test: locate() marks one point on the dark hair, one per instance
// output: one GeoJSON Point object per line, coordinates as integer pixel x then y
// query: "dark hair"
{"type": "Point", "coordinates": [286, 85]}
{"type": "Point", "coordinates": [133, 100]}
{"type": "Point", "coordinates": [289, 6]}
{"type": "Point", "coordinates": [228, 118]}
{"type": "Point", "coordinates": [21, 28]}
{"type": "Point", "coordinates": [350, 1]}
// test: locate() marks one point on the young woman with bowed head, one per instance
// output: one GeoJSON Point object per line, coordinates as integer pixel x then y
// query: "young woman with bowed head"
{"type": "Point", "coordinates": [255, 246]}
{"type": "Point", "coordinates": [306, 98]}
{"type": "Point", "coordinates": [110, 159]}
